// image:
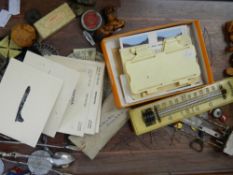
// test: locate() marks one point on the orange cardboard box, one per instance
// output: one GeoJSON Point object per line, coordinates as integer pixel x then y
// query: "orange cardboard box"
{"type": "Point", "coordinates": [110, 47]}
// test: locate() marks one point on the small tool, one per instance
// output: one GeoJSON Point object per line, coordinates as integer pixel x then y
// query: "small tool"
{"type": "Point", "coordinates": [68, 147]}
{"type": "Point", "coordinates": [217, 124]}
{"type": "Point", "coordinates": [59, 159]}
{"type": "Point", "coordinates": [210, 132]}
{"type": "Point", "coordinates": [63, 159]}
{"type": "Point", "coordinates": [26, 164]}
{"type": "Point", "coordinates": [88, 37]}
{"type": "Point", "coordinates": [197, 123]}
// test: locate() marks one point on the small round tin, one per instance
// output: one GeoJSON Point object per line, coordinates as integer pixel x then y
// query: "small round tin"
{"type": "Point", "coordinates": [217, 113]}
{"type": "Point", "coordinates": [91, 20]}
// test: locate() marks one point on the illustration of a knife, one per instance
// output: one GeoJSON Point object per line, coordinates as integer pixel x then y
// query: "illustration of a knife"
{"type": "Point", "coordinates": [19, 117]}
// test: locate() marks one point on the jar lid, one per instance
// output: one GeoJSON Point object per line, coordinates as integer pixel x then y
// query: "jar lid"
{"type": "Point", "coordinates": [91, 20]}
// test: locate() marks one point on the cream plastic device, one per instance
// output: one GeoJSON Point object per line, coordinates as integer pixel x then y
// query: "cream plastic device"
{"type": "Point", "coordinates": [149, 72]}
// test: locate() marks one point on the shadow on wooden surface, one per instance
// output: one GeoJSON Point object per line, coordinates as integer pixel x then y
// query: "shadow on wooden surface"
{"type": "Point", "coordinates": [147, 154]}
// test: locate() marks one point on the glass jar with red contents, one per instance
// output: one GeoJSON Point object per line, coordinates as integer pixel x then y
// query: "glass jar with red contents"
{"type": "Point", "coordinates": [91, 20]}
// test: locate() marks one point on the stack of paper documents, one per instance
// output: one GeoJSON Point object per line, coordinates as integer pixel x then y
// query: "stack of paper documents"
{"type": "Point", "coordinates": [50, 95]}
{"type": "Point", "coordinates": [83, 115]}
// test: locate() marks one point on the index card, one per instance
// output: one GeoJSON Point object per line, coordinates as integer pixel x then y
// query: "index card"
{"type": "Point", "coordinates": [70, 78]}
{"type": "Point", "coordinates": [28, 96]}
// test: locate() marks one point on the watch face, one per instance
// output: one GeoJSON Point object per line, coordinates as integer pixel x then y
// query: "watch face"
{"type": "Point", "coordinates": [1, 167]}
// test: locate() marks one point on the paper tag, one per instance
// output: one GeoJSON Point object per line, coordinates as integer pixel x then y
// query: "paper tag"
{"type": "Point", "coordinates": [14, 7]}
{"type": "Point", "coordinates": [4, 17]}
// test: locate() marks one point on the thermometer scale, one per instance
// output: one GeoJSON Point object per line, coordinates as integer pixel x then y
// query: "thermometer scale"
{"type": "Point", "coordinates": [176, 108]}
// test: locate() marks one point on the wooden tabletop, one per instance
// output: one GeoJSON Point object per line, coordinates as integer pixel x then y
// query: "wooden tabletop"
{"type": "Point", "coordinates": [151, 153]}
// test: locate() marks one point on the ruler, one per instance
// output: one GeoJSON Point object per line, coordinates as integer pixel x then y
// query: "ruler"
{"type": "Point", "coordinates": [161, 113]}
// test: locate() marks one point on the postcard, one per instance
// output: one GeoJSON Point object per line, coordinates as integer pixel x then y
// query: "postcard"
{"type": "Point", "coordinates": [28, 96]}
{"type": "Point", "coordinates": [134, 40]}
{"type": "Point", "coordinates": [70, 78]}
{"type": "Point", "coordinates": [78, 115]}
{"type": "Point", "coordinates": [153, 38]}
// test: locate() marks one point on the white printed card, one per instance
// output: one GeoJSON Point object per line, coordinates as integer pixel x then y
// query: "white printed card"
{"type": "Point", "coordinates": [70, 78]}
{"type": "Point", "coordinates": [27, 96]}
